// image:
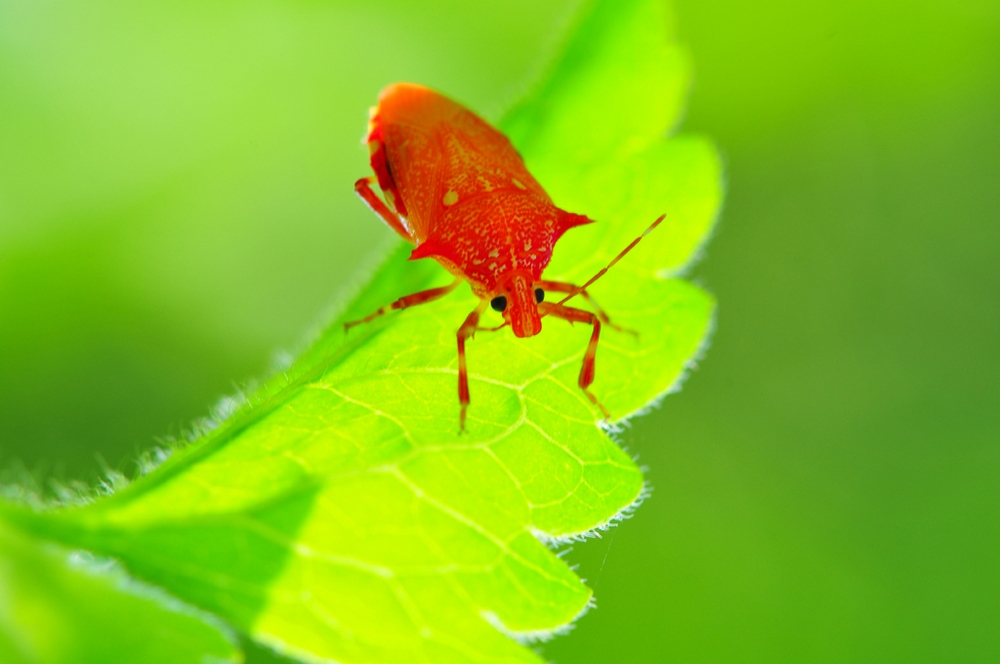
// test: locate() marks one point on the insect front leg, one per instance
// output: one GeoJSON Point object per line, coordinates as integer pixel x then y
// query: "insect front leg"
{"type": "Point", "coordinates": [467, 330]}
{"type": "Point", "coordinates": [587, 370]}
{"type": "Point", "coordinates": [420, 297]}
{"type": "Point", "coordinates": [563, 287]}
{"type": "Point", "coordinates": [363, 188]}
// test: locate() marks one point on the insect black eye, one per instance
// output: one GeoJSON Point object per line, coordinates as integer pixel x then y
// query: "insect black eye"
{"type": "Point", "coordinates": [499, 303]}
{"type": "Point", "coordinates": [539, 295]}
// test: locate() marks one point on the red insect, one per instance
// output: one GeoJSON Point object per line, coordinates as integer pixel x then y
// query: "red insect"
{"type": "Point", "coordinates": [459, 191]}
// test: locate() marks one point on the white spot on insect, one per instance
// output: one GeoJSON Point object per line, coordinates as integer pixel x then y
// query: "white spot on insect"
{"type": "Point", "coordinates": [450, 198]}
{"type": "Point", "coordinates": [517, 183]}
{"type": "Point", "coordinates": [494, 254]}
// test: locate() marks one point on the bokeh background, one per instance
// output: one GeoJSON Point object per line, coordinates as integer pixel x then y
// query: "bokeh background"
{"type": "Point", "coordinates": [176, 212]}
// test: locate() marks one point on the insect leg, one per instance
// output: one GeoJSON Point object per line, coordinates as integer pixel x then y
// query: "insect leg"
{"type": "Point", "coordinates": [467, 330]}
{"type": "Point", "coordinates": [587, 370]}
{"type": "Point", "coordinates": [363, 188]}
{"type": "Point", "coordinates": [563, 287]}
{"type": "Point", "coordinates": [420, 297]}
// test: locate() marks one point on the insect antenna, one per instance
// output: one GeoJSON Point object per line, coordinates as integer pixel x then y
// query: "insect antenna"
{"type": "Point", "coordinates": [579, 289]}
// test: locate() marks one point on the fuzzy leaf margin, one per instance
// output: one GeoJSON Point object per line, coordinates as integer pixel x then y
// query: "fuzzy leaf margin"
{"type": "Point", "coordinates": [60, 606]}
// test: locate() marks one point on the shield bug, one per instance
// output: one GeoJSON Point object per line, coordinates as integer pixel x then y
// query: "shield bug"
{"type": "Point", "coordinates": [457, 189]}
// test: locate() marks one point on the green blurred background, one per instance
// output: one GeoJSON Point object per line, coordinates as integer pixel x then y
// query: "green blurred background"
{"type": "Point", "coordinates": [176, 209]}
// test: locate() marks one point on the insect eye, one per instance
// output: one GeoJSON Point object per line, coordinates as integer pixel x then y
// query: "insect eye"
{"type": "Point", "coordinates": [499, 303]}
{"type": "Point", "coordinates": [539, 295]}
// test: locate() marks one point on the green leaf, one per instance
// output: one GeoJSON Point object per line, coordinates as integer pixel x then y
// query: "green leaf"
{"type": "Point", "coordinates": [58, 606]}
{"type": "Point", "coordinates": [340, 514]}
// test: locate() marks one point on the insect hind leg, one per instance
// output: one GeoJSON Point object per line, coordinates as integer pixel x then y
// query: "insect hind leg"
{"type": "Point", "coordinates": [363, 188]}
